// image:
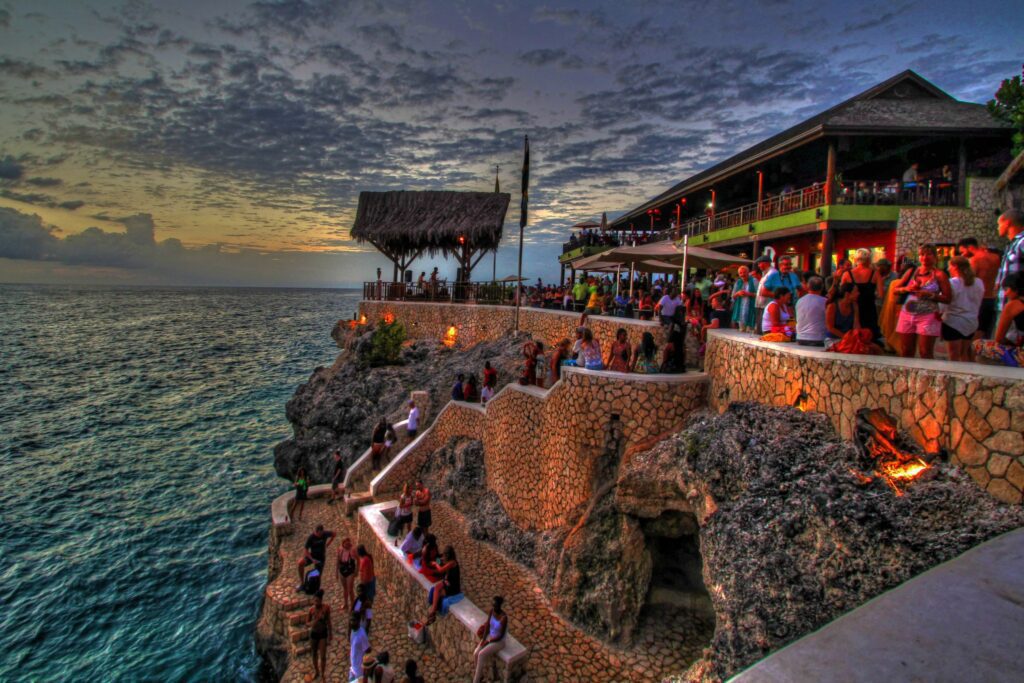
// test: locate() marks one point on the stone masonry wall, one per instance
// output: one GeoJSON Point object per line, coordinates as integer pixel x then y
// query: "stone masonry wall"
{"type": "Point", "coordinates": [982, 195]}
{"type": "Point", "coordinates": [477, 323]}
{"type": "Point", "coordinates": [975, 412]}
{"type": "Point", "coordinates": [541, 447]}
{"type": "Point", "coordinates": [918, 226]}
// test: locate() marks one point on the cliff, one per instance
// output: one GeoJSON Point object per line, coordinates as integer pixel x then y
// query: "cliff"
{"type": "Point", "coordinates": [339, 405]}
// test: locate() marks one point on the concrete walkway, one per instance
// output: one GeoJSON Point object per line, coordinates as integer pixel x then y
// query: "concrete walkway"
{"type": "Point", "coordinates": [961, 621]}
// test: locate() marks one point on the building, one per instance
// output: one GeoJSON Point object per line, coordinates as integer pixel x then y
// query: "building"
{"type": "Point", "coordinates": [898, 165]}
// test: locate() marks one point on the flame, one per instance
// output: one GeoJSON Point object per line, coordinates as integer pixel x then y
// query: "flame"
{"type": "Point", "coordinates": [896, 468]}
{"type": "Point", "coordinates": [362, 320]}
{"type": "Point", "coordinates": [449, 337]}
{"type": "Point", "coordinates": [388, 318]}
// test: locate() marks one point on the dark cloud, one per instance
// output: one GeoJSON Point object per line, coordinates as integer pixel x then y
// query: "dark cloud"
{"type": "Point", "coordinates": [10, 168]}
{"type": "Point", "coordinates": [44, 182]}
{"type": "Point", "coordinates": [876, 21]}
{"type": "Point", "coordinates": [546, 57]}
{"type": "Point", "coordinates": [5, 18]}
{"type": "Point", "coordinates": [19, 68]}
{"type": "Point", "coordinates": [72, 204]}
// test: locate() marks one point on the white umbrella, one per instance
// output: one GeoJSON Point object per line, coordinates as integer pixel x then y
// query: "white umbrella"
{"type": "Point", "coordinates": [668, 252]}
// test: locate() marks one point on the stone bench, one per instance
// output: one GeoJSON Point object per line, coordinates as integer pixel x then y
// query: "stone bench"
{"type": "Point", "coordinates": [454, 635]}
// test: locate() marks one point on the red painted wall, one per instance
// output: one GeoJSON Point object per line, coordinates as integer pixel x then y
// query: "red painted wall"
{"type": "Point", "coordinates": [805, 245]}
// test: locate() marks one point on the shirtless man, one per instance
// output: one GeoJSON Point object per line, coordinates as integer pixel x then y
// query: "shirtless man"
{"type": "Point", "coordinates": [986, 267]}
{"type": "Point", "coordinates": [422, 499]}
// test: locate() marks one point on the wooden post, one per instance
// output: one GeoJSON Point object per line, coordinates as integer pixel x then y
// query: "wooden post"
{"type": "Point", "coordinates": [961, 180]}
{"type": "Point", "coordinates": [827, 247]}
{"type": "Point", "coordinates": [830, 173]}
{"type": "Point", "coordinates": [760, 193]}
{"type": "Point", "coordinates": [561, 276]}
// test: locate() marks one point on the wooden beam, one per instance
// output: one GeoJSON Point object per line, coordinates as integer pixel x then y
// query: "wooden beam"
{"type": "Point", "coordinates": [1013, 169]}
{"type": "Point", "coordinates": [830, 173]}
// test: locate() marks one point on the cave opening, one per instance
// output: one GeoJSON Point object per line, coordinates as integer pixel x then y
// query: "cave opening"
{"type": "Point", "coordinates": [678, 607]}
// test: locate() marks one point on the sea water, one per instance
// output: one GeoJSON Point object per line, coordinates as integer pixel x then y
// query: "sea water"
{"type": "Point", "coordinates": [136, 473]}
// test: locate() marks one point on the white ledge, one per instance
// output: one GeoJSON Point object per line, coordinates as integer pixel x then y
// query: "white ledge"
{"type": "Point", "coordinates": [549, 311]}
{"type": "Point", "coordinates": [945, 367]}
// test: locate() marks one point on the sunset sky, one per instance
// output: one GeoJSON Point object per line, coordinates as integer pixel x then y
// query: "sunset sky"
{"type": "Point", "coordinates": [226, 142]}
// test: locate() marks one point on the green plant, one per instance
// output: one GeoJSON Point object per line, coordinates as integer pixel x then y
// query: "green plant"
{"type": "Point", "coordinates": [1008, 106]}
{"type": "Point", "coordinates": [386, 343]}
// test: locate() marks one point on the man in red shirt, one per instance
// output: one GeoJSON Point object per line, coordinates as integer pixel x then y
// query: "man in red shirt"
{"type": "Point", "coordinates": [367, 579]}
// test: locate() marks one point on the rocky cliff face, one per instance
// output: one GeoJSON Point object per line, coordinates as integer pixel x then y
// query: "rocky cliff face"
{"type": "Point", "coordinates": [339, 405]}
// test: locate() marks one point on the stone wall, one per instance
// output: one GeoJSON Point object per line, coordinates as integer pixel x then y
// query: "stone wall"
{"type": "Point", "coordinates": [975, 412]}
{"type": "Point", "coordinates": [982, 195]}
{"type": "Point", "coordinates": [452, 636]}
{"type": "Point", "coordinates": [477, 323]}
{"type": "Point", "coordinates": [541, 447]}
{"type": "Point", "coordinates": [921, 225]}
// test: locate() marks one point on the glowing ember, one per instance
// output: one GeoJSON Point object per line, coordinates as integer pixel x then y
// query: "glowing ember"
{"type": "Point", "coordinates": [802, 402]}
{"type": "Point", "coordinates": [896, 466]}
{"type": "Point", "coordinates": [449, 337]}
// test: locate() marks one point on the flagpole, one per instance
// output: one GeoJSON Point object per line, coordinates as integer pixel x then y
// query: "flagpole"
{"type": "Point", "coordinates": [522, 221]}
{"type": "Point", "coordinates": [682, 279]}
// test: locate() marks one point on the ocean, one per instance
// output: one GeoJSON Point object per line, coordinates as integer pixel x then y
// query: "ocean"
{"type": "Point", "coordinates": [136, 436]}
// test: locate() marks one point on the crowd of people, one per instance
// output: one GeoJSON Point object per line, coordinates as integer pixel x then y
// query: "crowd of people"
{"type": "Point", "coordinates": [358, 582]}
{"type": "Point", "coordinates": [974, 303]}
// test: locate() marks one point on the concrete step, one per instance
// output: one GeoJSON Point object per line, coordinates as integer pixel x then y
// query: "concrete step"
{"type": "Point", "coordinates": [301, 650]}
{"type": "Point", "coordinates": [297, 602]}
{"type": "Point", "coordinates": [297, 618]}
{"type": "Point", "coordinates": [357, 500]}
{"type": "Point", "coordinates": [297, 635]}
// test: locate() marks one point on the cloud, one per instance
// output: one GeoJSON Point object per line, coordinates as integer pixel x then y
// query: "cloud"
{"type": "Point", "coordinates": [44, 182]}
{"type": "Point", "coordinates": [10, 169]}
{"type": "Point", "coordinates": [25, 237]}
{"type": "Point", "coordinates": [878, 21]}
{"type": "Point", "coordinates": [19, 68]}
{"type": "Point", "coordinates": [546, 57]}
{"type": "Point", "coordinates": [5, 18]}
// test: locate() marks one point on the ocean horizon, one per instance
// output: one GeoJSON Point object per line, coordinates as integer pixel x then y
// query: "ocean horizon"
{"type": "Point", "coordinates": [138, 425]}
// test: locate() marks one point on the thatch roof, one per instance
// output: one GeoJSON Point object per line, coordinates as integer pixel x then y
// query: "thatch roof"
{"type": "Point", "coordinates": [407, 221]}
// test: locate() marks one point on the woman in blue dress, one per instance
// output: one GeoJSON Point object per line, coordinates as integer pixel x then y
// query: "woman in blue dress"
{"type": "Point", "coordinates": [743, 293]}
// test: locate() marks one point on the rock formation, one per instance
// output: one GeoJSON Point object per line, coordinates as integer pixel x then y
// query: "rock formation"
{"type": "Point", "coordinates": [339, 405]}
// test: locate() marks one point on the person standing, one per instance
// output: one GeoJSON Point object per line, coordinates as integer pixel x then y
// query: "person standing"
{"type": "Point", "coordinates": [764, 295]}
{"type": "Point", "coordinates": [315, 551]}
{"type": "Point", "coordinates": [301, 492]}
{"type": "Point", "coordinates": [868, 281]}
{"type": "Point", "coordinates": [319, 622]}
{"type": "Point", "coordinates": [338, 478]}
{"type": "Point", "coordinates": [490, 375]}
{"type": "Point", "coordinates": [985, 265]}
{"type": "Point", "coordinates": [1007, 347]}
{"type": "Point", "coordinates": [667, 306]}
{"type": "Point", "coordinates": [920, 324]}
{"type": "Point", "coordinates": [1011, 226]}
{"type": "Point", "coordinates": [346, 559]}
{"type": "Point", "coordinates": [783, 276]}
{"type": "Point", "coordinates": [359, 645]}
{"type": "Point", "coordinates": [367, 578]}
{"type": "Point", "coordinates": [743, 294]}
{"type": "Point", "coordinates": [378, 442]}
{"type": "Point", "coordinates": [960, 318]}
{"type": "Point", "coordinates": [492, 637]}
{"type": "Point", "coordinates": [421, 496]}
{"type": "Point", "coordinates": [412, 427]}
{"type": "Point", "coordinates": [458, 394]}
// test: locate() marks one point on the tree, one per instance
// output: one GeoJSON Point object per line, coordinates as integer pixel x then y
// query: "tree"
{"type": "Point", "coordinates": [386, 344]}
{"type": "Point", "coordinates": [1008, 106]}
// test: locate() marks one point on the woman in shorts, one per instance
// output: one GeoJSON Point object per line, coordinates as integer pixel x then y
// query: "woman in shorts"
{"type": "Point", "coordinates": [319, 622]}
{"type": "Point", "coordinates": [920, 322]}
{"type": "Point", "coordinates": [347, 571]}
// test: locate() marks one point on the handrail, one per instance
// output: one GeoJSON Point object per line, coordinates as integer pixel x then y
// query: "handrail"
{"type": "Point", "coordinates": [361, 460]}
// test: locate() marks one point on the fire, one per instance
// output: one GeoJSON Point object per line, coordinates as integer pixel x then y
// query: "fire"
{"type": "Point", "coordinates": [362, 320]}
{"type": "Point", "coordinates": [896, 467]}
{"type": "Point", "coordinates": [802, 402]}
{"type": "Point", "coordinates": [450, 336]}
{"type": "Point", "coordinates": [389, 318]}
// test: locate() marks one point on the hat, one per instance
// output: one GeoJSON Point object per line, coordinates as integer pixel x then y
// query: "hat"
{"type": "Point", "coordinates": [764, 258]}
{"type": "Point", "coordinates": [369, 661]}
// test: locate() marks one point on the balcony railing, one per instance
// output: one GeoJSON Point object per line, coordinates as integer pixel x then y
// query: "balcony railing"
{"type": "Point", "coordinates": [863, 192]}
{"type": "Point", "coordinates": [442, 291]}
{"type": "Point", "coordinates": [619, 238]}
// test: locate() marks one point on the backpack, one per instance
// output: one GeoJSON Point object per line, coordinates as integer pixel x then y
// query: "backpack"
{"type": "Point", "coordinates": [311, 584]}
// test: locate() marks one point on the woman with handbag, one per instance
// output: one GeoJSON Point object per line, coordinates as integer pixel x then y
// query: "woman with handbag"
{"type": "Point", "coordinates": [920, 322]}
{"type": "Point", "coordinates": [492, 637]}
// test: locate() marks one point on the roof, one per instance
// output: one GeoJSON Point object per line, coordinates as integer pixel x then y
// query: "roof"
{"type": "Point", "coordinates": [434, 220]}
{"type": "Point", "coordinates": [905, 103]}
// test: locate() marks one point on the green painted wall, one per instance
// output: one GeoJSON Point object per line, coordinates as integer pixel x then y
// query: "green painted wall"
{"type": "Point", "coordinates": [836, 212]}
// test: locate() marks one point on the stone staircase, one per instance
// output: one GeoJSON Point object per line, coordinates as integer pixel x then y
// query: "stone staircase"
{"type": "Point", "coordinates": [298, 632]}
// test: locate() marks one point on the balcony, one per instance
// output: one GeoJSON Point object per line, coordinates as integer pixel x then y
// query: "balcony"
{"type": "Point", "coordinates": [595, 243]}
{"type": "Point", "coordinates": [854, 193]}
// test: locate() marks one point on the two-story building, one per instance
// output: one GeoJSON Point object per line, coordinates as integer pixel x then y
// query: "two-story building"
{"type": "Point", "coordinates": [900, 164]}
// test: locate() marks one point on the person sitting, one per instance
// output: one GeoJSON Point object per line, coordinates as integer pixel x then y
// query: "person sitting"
{"type": "Point", "coordinates": [645, 356]}
{"type": "Point", "coordinates": [719, 314]}
{"type": "Point", "coordinates": [1008, 346]}
{"type": "Point", "coordinates": [448, 590]}
{"type": "Point", "coordinates": [492, 637]}
{"type": "Point", "coordinates": [777, 321]}
{"type": "Point", "coordinates": [426, 563]}
{"type": "Point", "coordinates": [619, 352]}
{"type": "Point", "coordinates": [458, 394]}
{"type": "Point", "coordinates": [810, 314]}
{"type": "Point", "coordinates": [412, 672]}
{"type": "Point", "coordinates": [841, 313]}
{"type": "Point", "coordinates": [559, 356]}
{"type": "Point", "coordinates": [486, 394]}
{"type": "Point", "coordinates": [413, 543]}
{"type": "Point", "coordinates": [469, 390]}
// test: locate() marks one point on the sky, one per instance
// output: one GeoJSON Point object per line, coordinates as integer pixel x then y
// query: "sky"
{"type": "Point", "coordinates": [225, 142]}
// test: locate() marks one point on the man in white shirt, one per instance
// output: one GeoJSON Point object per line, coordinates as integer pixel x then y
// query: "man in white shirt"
{"type": "Point", "coordinates": [764, 266]}
{"type": "Point", "coordinates": [810, 315]}
{"type": "Point", "coordinates": [414, 421]}
{"type": "Point", "coordinates": [668, 304]}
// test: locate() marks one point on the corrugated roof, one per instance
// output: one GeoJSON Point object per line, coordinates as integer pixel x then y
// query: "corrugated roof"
{"type": "Point", "coordinates": [906, 102]}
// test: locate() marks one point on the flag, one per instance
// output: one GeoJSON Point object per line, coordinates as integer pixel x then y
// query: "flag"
{"type": "Point", "coordinates": [526, 181]}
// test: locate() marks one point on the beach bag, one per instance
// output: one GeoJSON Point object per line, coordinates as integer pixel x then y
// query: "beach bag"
{"type": "Point", "coordinates": [395, 525]}
{"type": "Point", "coordinates": [311, 584]}
{"type": "Point", "coordinates": [417, 633]}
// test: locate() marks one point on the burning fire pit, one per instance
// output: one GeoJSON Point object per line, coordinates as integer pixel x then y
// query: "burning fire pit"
{"type": "Point", "coordinates": [893, 457]}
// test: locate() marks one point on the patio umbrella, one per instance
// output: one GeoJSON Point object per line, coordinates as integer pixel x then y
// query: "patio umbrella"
{"type": "Point", "coordinates": [512, 278]}
{"type": "Point", "coordinates": [668, 252]}
{"type": "Point", "coordinates": [587, 225]}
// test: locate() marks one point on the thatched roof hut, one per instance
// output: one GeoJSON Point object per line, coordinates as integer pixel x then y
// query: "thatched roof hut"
{"type": "Point", "coordinates": [404, 224]}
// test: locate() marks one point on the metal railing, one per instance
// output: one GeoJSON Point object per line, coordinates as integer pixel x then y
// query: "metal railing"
{"type": "Point", "coordinates": [621, 238]}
